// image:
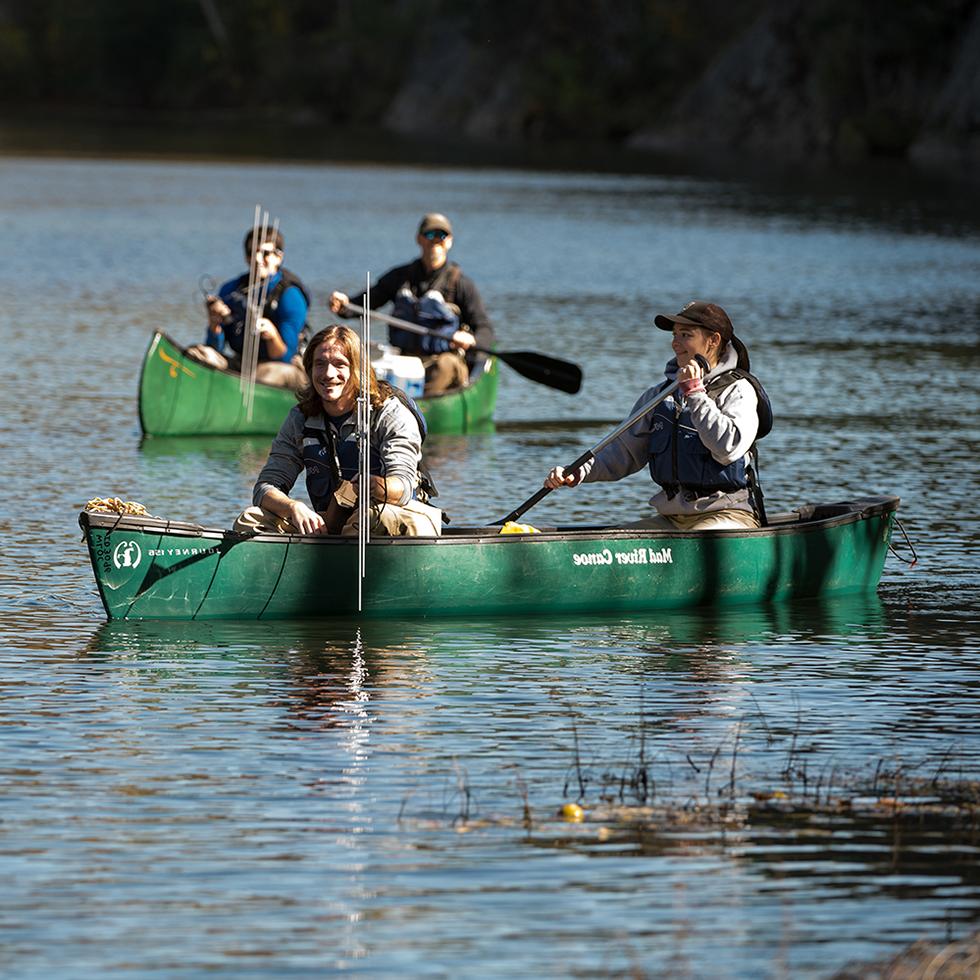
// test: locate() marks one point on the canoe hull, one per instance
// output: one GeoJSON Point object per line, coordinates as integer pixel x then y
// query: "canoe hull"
{"type": "Point", "coordinates": [179, 396]}
{"type": "Point", "coordinates": [154, 569]}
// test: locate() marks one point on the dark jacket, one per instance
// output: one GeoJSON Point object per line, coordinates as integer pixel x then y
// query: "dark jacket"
{"type": "Point", "coordinates": [465, 295]}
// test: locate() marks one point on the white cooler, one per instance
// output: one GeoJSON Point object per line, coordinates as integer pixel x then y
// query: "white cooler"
{"type": "Point", "coordinates": [400, 370]}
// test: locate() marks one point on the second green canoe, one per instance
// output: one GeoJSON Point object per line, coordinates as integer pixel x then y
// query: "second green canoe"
{"type": "Point", "coordinates": [179, 396]}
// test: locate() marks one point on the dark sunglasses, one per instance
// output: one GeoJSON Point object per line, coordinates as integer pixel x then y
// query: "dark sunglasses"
{"type": "Point", "coordinates": [435, 235]}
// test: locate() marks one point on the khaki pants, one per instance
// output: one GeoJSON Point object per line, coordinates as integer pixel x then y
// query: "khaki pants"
{"type": "Point", "coordinates": [277, 373]}
{"type": "Point", "coordinates": [415, 519]}
{"type": "Point", "coordinates": [709, 521]}
{"type": "Point", "coordinates": [445, 371]}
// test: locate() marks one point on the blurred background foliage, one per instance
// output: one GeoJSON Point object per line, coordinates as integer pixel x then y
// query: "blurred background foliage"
{"type": "Point", "coordinates": [552, 71]}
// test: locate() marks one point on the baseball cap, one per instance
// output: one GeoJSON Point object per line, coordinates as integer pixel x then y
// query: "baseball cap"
{"type": "Point", "coordinates": [709, 316]}
{"type": "Point", "coordinates": [435, 222]}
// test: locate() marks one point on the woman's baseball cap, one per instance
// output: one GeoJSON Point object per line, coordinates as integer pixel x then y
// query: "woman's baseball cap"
{"type": "Point", "coordinates": [708, 316]}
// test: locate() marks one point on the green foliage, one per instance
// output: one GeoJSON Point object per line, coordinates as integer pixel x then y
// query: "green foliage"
{"type": "Point", "coordinates": [16, 78]}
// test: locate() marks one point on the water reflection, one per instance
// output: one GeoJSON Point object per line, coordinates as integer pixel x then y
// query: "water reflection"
{"type": "Point", "coordinates": [863, 616]}
{"type": "Point", "coordinates": [242, 449]}
{"type": "Point", "coordinates": [810, 855]}
{"type": "Point", "coordinates": [166, 779]}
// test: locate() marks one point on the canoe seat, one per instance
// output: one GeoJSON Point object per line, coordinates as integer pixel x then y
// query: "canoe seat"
{"type": "Point", "coordinates": [786, 517]}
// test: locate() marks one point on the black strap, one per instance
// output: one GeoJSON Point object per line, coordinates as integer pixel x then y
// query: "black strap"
{"type": "Point", "coordinates": [675, 485]}
{"type": "Point", "coordinates": [327, 437]}
{"type": "Point", "coordinates": [756, 496]}
{"type": "Point", "coordinates": [714, 386]}
{"type": "Point", "coordinates": [445, 281]}
{"type": "Point", "coordinates": [286, 279]}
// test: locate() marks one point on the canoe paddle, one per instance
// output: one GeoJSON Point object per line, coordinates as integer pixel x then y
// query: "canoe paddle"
{"type": "Point", "coordinates": [591, 453]}
{"type": "Point", "coordinates": [549, 371]}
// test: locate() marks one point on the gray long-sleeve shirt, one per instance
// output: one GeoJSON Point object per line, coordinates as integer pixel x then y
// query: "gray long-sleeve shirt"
{"type": "Point", "coordinates": [727, 427]}
{"type": "Point", "coordinates": [395, 437]}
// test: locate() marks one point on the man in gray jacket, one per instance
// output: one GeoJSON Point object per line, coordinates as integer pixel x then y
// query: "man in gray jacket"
{"type": "Point", "coordinates": [319, 437]}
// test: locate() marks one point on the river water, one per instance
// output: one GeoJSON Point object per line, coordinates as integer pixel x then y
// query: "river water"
{"type": "Point", "coordinates": [370, 799]}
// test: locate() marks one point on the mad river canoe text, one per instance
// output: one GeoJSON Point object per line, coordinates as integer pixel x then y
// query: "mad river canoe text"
{"type": "Point", "coordinates": [635, 556]}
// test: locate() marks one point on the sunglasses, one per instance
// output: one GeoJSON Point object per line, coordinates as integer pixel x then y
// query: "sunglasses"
{"type": "Point", "coordinates": [435, 235]}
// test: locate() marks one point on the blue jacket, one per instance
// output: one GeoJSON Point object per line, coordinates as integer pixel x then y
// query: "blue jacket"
{"type": "Point", "coordinates": [286, 308]}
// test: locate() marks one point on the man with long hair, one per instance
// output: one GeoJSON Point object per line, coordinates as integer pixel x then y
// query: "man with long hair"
{"type": "Point", "coordinates": [319, 436]}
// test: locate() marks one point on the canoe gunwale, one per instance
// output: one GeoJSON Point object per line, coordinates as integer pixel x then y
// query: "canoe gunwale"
{"type": "Point", "coordinates": [806, 518]}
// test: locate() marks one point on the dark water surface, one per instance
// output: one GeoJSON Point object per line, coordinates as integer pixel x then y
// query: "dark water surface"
{"type": "Point", "coordinates": [316, 798]}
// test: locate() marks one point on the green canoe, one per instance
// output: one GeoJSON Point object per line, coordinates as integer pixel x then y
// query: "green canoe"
{"type": "Point", "coordinates": [150, 568]}
{"type": "Point", "coordinates": [179, 396]}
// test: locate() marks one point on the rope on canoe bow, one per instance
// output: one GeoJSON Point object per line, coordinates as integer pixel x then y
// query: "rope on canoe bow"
{"type": "Point", "coordinates": [915, 558]}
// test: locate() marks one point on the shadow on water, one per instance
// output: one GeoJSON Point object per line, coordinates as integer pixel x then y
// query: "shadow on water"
{"type": "Point", "coordinates": [861, 616]}
{"type": "Point", "coordinates": [310, 671]}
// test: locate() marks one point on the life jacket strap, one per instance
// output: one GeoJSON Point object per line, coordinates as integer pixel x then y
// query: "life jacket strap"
{"type": "Point", "coordinates": [756, 496]}
{"type": "Point", "coordinates": [327, 438]}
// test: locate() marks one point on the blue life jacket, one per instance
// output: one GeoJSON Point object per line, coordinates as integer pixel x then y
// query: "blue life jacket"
{"type": "Point", "coordinates": [329, 460]}
{"type": "Point", "coordinates": [679, 460]}
{"type": "Point", "coordinates": [431, 311]}
{"type": "Point", "coordinates": [237, 300]}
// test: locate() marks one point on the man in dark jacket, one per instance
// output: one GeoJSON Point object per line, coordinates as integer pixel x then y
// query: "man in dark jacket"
{"type": "Point", "coordinates": [432, 292]}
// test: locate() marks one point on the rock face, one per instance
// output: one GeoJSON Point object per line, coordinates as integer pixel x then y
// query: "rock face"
{"type": "Point", "coordinates": [453, 86]}
{"type": "Point", "coordinates": [757, 96]}
{"type": "Point", "coordinates": [812, 81]}
{"type": "Point", "coordinates": [951, 134]}
{"type": "Point", "coordinates": [827, 80]}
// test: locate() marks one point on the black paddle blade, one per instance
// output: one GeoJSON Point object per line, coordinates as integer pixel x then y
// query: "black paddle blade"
{"type": "Point", "coordinates": [549, 371]}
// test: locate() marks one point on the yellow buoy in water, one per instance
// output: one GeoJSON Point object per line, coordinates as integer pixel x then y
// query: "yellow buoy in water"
{"type": "Point", "coordinates": [512, 527]}
{"type": "Point", "coordinates": [572, 812]}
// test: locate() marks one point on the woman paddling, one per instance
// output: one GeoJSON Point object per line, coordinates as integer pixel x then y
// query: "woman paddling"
{"type": "Point", "coordinates": [319, 436]}
{"type": "Point", "coordinates": [696, 443]}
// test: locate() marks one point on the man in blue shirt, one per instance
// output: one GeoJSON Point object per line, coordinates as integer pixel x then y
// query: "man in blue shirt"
{"type": "Point", "coordinates": [279, 323]}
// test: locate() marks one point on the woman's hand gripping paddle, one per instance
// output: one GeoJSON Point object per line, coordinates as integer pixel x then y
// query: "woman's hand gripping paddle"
{"type": "Point", "coordinates": [590, 454]}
